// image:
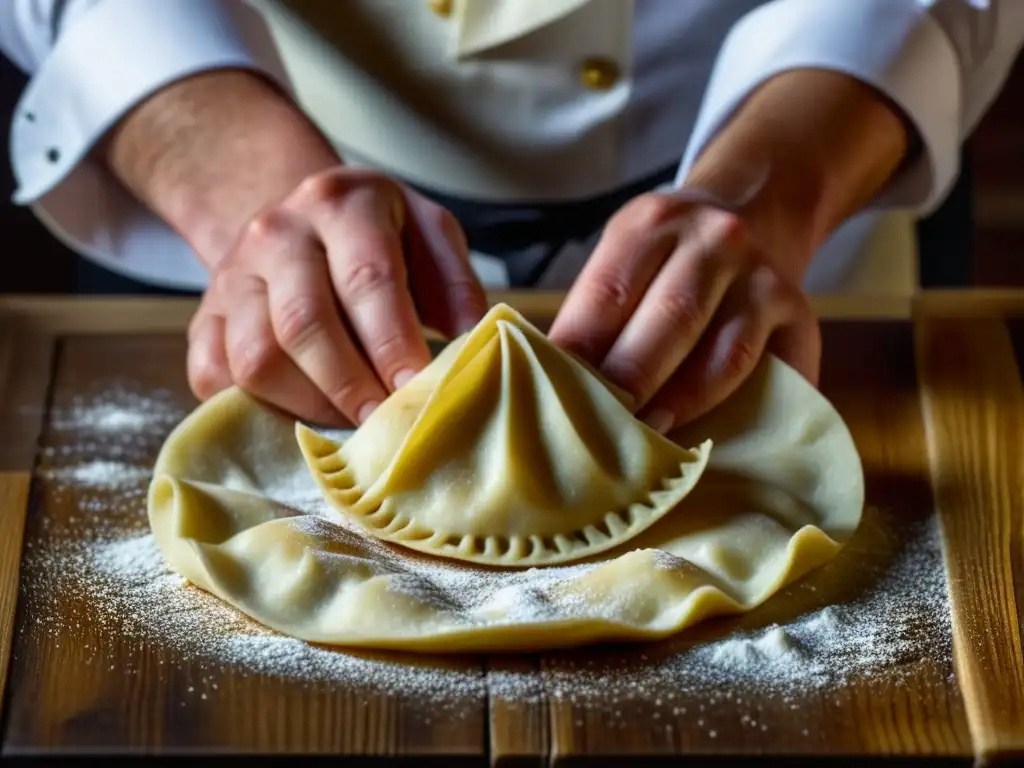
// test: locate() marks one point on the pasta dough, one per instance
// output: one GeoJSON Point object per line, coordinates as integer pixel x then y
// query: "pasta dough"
{"type": "Point", "coordinates": [236, 511]}
{"type": "Point", "coordinates": [505, 451]}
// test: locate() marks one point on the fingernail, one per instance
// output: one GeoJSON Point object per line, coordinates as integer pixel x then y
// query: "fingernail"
{"type": "Point", "coordinates": [660, 421]}
{"type": "Point", "coordinates": [366, 410]}
{"type": "Point", "coordinates": [402, 377]}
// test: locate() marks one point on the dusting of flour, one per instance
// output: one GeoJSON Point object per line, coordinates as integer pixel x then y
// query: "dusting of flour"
{"type": "Point", "coordinates": [895, 626]}
{"type": "Point", "coordinates": [105, 560]}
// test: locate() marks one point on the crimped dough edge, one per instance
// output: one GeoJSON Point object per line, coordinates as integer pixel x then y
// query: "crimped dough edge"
{"type": "Point", "coordinates": [616, 527]}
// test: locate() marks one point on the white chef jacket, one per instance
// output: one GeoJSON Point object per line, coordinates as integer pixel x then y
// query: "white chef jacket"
{"type": "Point", "coordinates": [486, 102]}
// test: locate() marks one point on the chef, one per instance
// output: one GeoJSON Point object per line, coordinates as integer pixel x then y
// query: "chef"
{"type": "Point", "coordinates": [331, 174]}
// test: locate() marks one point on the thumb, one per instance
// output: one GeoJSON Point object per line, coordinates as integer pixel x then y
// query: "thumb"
{"type": "Point", "coordinates": [449, 296]}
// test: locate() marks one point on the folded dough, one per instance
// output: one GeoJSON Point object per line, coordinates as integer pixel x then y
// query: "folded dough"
{"type": "Point", "coordinates": [506, 451]}
{"type": "Point", "coordinates": [235, 510]}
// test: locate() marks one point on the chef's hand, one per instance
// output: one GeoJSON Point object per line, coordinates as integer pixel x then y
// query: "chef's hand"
{"type": "Point", "coordinates": [317, 310]}
{"type": "Point", "coordinates": [678, 304]}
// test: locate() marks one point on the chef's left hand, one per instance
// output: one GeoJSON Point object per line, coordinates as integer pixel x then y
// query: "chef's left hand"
{"type": "Point", "coordinates": [678, 303]}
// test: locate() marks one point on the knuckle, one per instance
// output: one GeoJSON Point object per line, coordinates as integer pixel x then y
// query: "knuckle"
{"type": "Point", "coordinates": [741, 358]}
{"type": "Point", "coordinates": [270, 226]}
{"type": "Point", "coordinates": [711, 243]}
{"type": "Point", "coordinates": [330, 187]}
{"type": "Point", "coordinates": [368, 277]}
{"type": "Point", "coordinates": [323, 187]}
{"type": "Point", "coordinates": [771, 289]}
{"type": "Point", "coordinates": [382, 185]}
{"type": "Point", "coordinates": [388, 351]}
{"type": "Point", "coordinates": [769, 284]}
{"type": "Point", "coordinates": [345, 394]}
{"type": "Point", "coordinates": [222, 281]}
{"type": "Point", "coordinates": [679, 311]}
{"type": "Point", "coordinates": [465, 292]}
{"type": "Point", "coordinates": [252, 360]}
{"type": "Point", "coordinates": [382, 195]}
{"type": "Point", "coordinates": [299, 319]}
{"type": "Point", "coordinates": [609, 292]}
{"type": "Point", "coordinates": [653, 210]}
{"type": "Point", "coordinates": [728, 226]}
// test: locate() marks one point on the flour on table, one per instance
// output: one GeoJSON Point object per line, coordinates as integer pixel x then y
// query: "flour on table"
{"type": "Point", "coordinates": [901, 622]}
{"type": "Point", "coordinates": [105, 560]}
{"type": "Point", "coordinates": [98, 473]}
{"type": "Point", "coordinates": [117, 409]}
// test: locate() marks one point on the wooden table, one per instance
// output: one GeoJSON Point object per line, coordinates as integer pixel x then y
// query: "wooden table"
{"type": "Point", "coordinates": [943, 434]}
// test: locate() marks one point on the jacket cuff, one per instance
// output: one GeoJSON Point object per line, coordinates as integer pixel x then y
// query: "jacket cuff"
{"type": "Point", "coordinates": [893, 45]}
{"type": "Point", "coordinates": [113, 57]}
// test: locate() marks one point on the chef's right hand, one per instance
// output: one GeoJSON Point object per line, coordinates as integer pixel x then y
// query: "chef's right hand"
{"type": "Point", "coordinates": [318, 308]}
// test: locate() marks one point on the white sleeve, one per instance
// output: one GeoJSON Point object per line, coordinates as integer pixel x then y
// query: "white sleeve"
{"type": "Point", "coordinates": [91, 61]}
{"type": "Point", "coordinates": [942, 62]}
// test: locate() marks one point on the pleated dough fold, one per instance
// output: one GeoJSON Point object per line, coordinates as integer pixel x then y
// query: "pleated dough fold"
{"type": "Point", "coordinates": [506, 451]}
{"type": "Point", "coordinates": [236, 511]}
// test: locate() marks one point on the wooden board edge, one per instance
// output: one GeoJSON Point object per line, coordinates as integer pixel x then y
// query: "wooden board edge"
{"type": "Point", "coordinates": [75, 316]}
{"type": "Point", "coordinates": [970, 303]}
{"type": "Point", "coordinates": [80, 316]}
{"type": "Point", "coordinates": [135, 315]}
{"type": "Point", "coordinates": [26, 367]}
{"type": "Point", "coordinates": [14, 498]}
{"type": "Point", "coordinates": [973, 407]}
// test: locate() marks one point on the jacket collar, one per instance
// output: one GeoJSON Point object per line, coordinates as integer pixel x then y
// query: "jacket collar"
{"type": "Point", "coordinates": [487, 24]}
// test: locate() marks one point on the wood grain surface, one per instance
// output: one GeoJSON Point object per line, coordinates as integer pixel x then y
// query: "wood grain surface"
{"type": "Point", "coordinates": [76, 685]}
{"type": "Point", "coordinates": [14, 493]}
{"type": "Point", "coordinates": [909, 710]}
{"type": "Point", "coordinates": [971, 388]}
{"type": "Point", "coordinates": [25, 359]}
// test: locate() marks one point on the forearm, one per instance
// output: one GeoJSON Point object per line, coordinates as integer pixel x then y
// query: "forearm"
{"type": "Point", "coordinates": [208, 152]}
{"type": "Point", "coordinates": [804, 152]}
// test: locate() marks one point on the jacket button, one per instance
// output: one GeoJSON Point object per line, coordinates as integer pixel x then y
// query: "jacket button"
{"type": "Point", "coordinates": [441, 7]}
{"type": "Point", "coordinates": [599, 74]}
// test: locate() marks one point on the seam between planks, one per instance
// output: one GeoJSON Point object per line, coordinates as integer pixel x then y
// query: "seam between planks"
{"type": "Point", "coordinates": [973, 405]}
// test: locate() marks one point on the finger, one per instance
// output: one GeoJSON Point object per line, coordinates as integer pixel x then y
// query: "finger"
{"type": "Point", "coordinates": [798, 343]}
{"type": "Point", "coordinates": [732, 349]}
{"type": "Point", "coordinates": [722, 361]}
{"type": "Point", "coordinates": [206, 360]}
{"type": "Point", "coordinates": [448, 292]}
{"type": "Point", "coordinates": [259, 365]}
{"type": "Point", "coordinates": [678, 307]}
{"type": "Point", "coordinates": [796, 336]}
{"type": "Point", "coordinates": [361, 228]}
{"type": "Point", "coordinates": [633, 247]}
{"type": "Point", "coordinates": [304, 318]}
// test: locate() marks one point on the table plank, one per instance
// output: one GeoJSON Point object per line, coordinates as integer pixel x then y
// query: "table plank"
{"type": "Point", "coordinates": [89, 677]}
{"type": "Point", "coordinates": [518, 712]}
{"type": "Point", "coordinates": [25, 360]}
{"type": "Point", "coordinates": [911, 708]}
{"type": "Point", "coordinates": [14, 491]}
{"type": "Point", "coordinates": [922, 715]}
{"type": "Point", "coordinates": [974, 402]}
